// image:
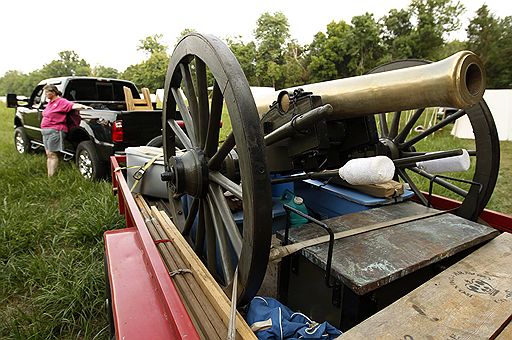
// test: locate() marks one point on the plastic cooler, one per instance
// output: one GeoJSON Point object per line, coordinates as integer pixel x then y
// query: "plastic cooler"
{"type": "Point", "coordinates": [151, 183]}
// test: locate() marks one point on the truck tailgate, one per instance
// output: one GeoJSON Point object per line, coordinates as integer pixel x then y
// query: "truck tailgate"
{"type": "Point", "coordinates": [139, 127]}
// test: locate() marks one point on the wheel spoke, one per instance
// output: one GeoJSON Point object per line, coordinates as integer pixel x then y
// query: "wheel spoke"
{"type": "Point", "coordinates": [211, 243]}
{"type": "Point", "coordinates": [408, 161]}
{"type": "Point", "coordinates": [414, 188]}
{"type": "Point", "coordinates": [222, 208]}
{"type": "Point", "coordinates": [185, 114]}
{"type": "Point", "coordinates": [408, 126]}
{"type": "Point", "coordinates": [212, 136]}
{"type": "Point", "coordinates": [200, 231]}
{"type": "Point", "coordinates": [441, 182]}
{"type": "Point", "coordinates": [191, 217]}
{"type": "Point", "coordinates": [395, 123]}
{"type": "Point", "coordinates": [202, 93]}
{"type": "Point", "coordinates": [224, 250]}
{"type": "Point", "coordinates": [432, 129]}
{"type": "Point", "coordinates": [226, 183]}
{"type": "Point", "coordinates": [180, 133]}
{"type": "Point", "coordinates": [383, 125]}
{"type": "Point", "coordinates": [190, 93]}
{"type": "Point", "coordinates": [215, 162]}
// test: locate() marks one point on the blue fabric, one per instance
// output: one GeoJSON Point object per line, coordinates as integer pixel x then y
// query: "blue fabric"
{"type": "Point", "coordinates": [284, 323]}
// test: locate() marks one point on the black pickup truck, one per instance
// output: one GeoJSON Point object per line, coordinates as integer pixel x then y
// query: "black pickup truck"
{"type": "Point", "coordinates": [107, 129]}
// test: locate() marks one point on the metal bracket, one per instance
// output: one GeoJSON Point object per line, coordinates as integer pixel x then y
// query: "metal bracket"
{"type": "Point", "coordinates": [287, 208]}
{"type": "Point", "coordinates": [431, 186]}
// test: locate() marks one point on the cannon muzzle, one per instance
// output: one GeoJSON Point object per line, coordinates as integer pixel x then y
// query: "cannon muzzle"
{"type": "Point", "coordinates": [457, 81]}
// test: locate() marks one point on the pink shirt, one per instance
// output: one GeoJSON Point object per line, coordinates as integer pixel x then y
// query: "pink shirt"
{"type": "Point", "coordinates": [54, 115]}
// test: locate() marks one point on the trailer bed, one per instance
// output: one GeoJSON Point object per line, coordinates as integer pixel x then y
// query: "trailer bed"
{"type": "Point", "coordinates": [187, 307]}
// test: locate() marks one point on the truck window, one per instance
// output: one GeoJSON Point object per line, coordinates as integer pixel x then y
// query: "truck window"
{"type": "Point", "coordinates": [35, 100]}
{"type": "Point", "coordinates": [97, 90]}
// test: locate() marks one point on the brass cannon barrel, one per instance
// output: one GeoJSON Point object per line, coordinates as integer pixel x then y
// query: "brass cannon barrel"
{"type": "Point", "coordinates": [457, 81]}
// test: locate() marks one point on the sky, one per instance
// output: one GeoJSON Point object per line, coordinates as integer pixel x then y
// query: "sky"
{"type": "Point", "coordinates": [107, 32]}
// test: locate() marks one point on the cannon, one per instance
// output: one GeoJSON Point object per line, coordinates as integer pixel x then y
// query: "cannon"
{"type": "Point", "coordinates": [220, 188]}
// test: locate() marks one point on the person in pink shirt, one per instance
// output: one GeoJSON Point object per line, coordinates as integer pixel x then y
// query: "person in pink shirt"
{"type": "Point", "coordinates": [53, 124]}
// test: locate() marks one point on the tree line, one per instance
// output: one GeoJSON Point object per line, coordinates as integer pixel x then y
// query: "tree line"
{"type": "Point", "coordinates": [274, 58]}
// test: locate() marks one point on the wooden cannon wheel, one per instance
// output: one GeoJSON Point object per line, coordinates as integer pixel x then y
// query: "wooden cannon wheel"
{"type": "Point", "coordinates": [200, 188]}
{"type": "Point", "coordinates": [486, 156]}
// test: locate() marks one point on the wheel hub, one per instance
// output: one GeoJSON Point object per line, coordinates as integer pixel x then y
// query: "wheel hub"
{"type": "Point", "coordinates": [188, 173]}
{"type": "Point", "coordinates": [390, 147]}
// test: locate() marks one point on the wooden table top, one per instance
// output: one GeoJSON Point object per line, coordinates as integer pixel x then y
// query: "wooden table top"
{"type": "Point", "coordinates": [370, 260]}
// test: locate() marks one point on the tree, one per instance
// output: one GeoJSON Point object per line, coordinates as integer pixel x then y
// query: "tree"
{"type": "Point", "coordinates": [271, 33]}
{"type": "Point", "coordinates": [151, 44]}
{"type": "Point", "coordinates": [330, 53]}
{"type": "Point", "coordinates": [151, 72]}
{"type": "Point", "coordinates": [434, 20]}
{"type": "Point", "coordinates": [12, 82]}
{"type": "Point", "coordinates": [397, 34]}
{"type": "Point", "coordinates": [295, 64]}
{"type": "Point", "coordinates": [246, 56]}
{"type": "Point", "coordinates": [491, 38]}
{"type": "Point", "coordinates": [68, 64]}
{"type": "Point", "coordinates": [105, 72]}
{"type": "Point", "coordinates": [483, 33]}
{"type": "Point", "coordinates": [501, 70]}
{"type": "Point", "coordinates": [365, 46]}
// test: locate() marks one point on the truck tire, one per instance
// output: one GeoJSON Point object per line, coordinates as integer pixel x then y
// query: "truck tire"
{"type": "Point", "coordinates": [88, 162]}
{"type": "Point", "coordinates": [21, 140]}
{"type": "Point", "coordinates": [158, 142]}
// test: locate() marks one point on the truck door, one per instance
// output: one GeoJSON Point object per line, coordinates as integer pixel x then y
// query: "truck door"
{"type": "Point", "coordinates": [32, 114]}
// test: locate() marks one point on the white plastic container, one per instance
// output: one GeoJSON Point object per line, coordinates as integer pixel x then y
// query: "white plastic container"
{"type": "Point", "coordinates": [151, 184]}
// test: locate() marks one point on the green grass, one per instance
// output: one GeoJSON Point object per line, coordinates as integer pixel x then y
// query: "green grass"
{"type": "Point", "coordinates": [51, 250]}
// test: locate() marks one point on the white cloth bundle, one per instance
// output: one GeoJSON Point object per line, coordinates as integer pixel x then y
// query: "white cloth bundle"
{"type": "Point", "coordinates": [371, 170]}
{"type": "Point", "coordinates": [448, 164]}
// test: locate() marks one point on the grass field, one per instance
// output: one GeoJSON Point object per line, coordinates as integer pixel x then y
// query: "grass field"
{"type": "Point", "coordinates": [51, 249]}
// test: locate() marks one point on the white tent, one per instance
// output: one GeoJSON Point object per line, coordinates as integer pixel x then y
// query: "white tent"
{"type": "Point", "coordinates": [500, 104]}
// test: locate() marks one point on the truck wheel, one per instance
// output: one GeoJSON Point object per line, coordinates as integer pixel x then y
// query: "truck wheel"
{"type": "Point", "coordinates": [88, 162]}
{"type": "Point", "coordinates": [21, 140]}
{"type": "Point", "coordinates": [158, 142]}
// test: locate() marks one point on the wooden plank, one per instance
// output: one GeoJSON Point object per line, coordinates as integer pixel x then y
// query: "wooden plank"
{"type": "Point", "coordinates": [205, 319]}
{"type": "Point", "coordinates": [212, 290]}
{"type": "Point", "coordinates": [367, 261]}
{"type": "Point", "coordinates": [470, 300]}
{"type": "Point", "coordinates": [280, 252]}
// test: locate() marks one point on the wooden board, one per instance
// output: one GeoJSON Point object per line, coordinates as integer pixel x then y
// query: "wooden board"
{"type": "Point", "coordinates": [216, 297]}
{"type": "Point", "coordinates": [367, 261]}
{"type": "Point", "coordinates": [470, 300]}
{"type": "Point", "coordinates": [207, 305]}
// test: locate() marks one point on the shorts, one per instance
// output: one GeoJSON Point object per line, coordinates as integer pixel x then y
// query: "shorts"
{"type": "Point", "coordinates": [53, 140]}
